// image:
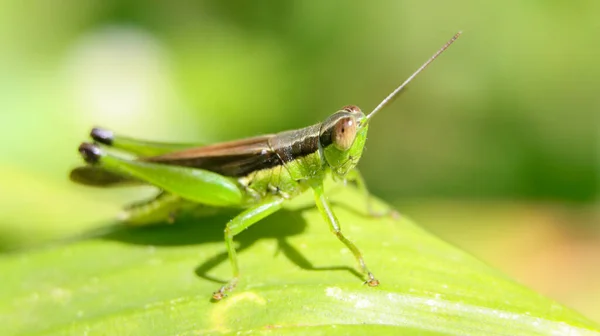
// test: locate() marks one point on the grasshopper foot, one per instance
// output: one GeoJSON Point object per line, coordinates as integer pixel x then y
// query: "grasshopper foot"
{"type": "Point", "coordinates": [221, 293]}
{"type": "Point", "coordinates": [372, 282]}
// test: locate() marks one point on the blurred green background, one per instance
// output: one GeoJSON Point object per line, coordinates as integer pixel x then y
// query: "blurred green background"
{"type": "Point", "coordinates": [495, 147]}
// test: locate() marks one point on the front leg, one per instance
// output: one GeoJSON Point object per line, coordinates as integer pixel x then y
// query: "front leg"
{"type": "Point", "coordinates": [238, 224]}
{"type": "Point", "coordinates": [334, 226]}
{"type": "Point", "coordinates": [355, 176]}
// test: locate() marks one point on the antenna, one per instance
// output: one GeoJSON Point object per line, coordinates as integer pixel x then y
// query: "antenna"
{"type": "Point", "coordinates": [395, 93]}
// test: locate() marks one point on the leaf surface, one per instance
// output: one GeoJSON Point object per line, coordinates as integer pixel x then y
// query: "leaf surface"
{"type": "Point", "coordinates": [297, 278]}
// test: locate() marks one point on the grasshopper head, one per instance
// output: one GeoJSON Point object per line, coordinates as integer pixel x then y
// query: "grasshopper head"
{"type": "Point", "coordinates": [342, 137]}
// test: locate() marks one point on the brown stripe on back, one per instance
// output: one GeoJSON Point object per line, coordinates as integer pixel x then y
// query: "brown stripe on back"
{"type": "Point", "coordinates": [234, 158]}
{"type": "Point", "coordinates": [291, 145]}
{"type": "Point", "coordinates": [241, 157]}
{"type": "Point", "coordinates": [231, 165]}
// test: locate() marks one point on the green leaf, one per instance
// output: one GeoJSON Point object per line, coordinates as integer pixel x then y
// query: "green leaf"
{"type": "Point", "coordinates": [296, 278]}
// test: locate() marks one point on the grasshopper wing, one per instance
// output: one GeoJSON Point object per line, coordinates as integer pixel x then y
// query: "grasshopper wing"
{"type": "Point", "coordinates": [234, 158]}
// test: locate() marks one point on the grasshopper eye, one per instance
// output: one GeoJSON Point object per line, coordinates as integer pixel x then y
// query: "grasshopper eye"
{"type": "Point", "coordinates": [351, 109]}
{"type": "Point", "coordinates": [344, 133]}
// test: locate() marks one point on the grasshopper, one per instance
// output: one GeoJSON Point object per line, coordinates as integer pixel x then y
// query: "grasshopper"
{"type": "Point", "coordinates": [256, 174]}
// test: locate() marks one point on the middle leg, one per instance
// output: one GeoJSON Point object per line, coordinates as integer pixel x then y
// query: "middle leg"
{"type": "Point", "coordinates": [238, 224]}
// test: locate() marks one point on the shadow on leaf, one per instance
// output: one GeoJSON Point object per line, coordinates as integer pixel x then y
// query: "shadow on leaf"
{"type": "Point", "coordinates": [189, 230]}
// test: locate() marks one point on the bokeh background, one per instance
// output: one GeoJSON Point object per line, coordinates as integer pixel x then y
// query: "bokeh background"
{"type": "Point", "coordinates": [494, 148]}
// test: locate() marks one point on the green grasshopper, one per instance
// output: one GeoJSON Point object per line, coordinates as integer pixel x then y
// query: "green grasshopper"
{"type": "Point", "coordinates": [256, 174]}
